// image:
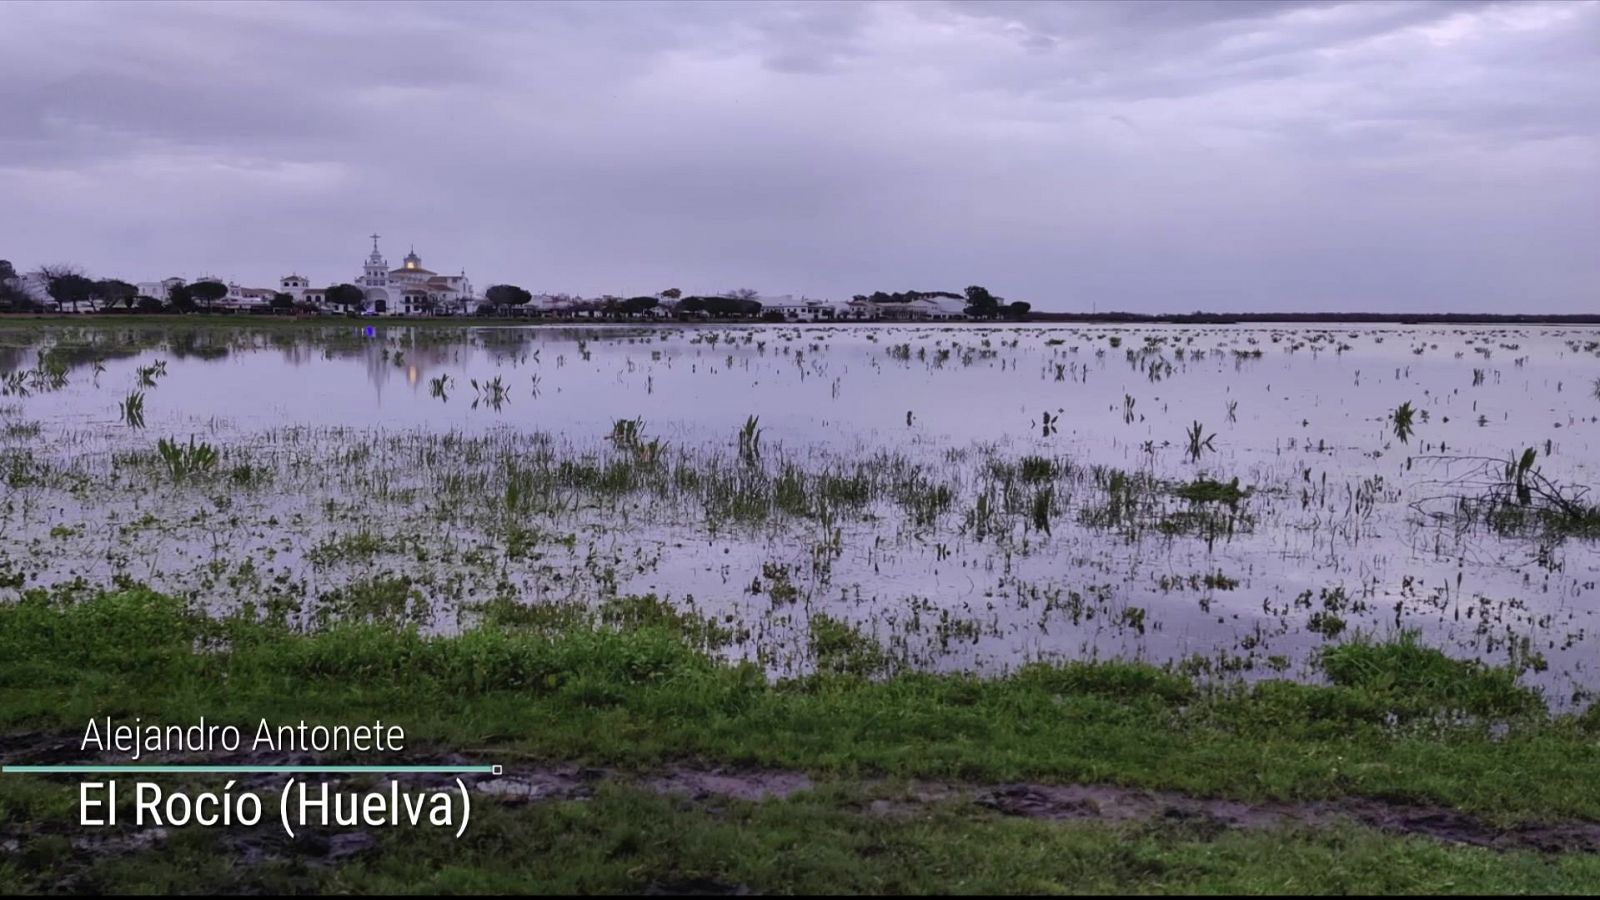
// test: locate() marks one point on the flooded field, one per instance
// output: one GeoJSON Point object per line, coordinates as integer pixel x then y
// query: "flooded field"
{"type": "Point", "coordinates": [1223, 498]}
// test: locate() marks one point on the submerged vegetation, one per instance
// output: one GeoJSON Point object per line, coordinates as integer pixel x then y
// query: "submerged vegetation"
{"type": "Point", "coordinates": [1205, 490]}
{"type": "Point", "coordinates": [184, 461]}
{"type": "Point", "coordinates": [132, 410]}
{"type": "Point", "coordinates": [786, 473]}
{"type": "Point", "coordinates": [1402, 420]}
{"type": "Point", "coordinates": [1512, 497]}
{"type": "Point", "coordinates": [908, 588]}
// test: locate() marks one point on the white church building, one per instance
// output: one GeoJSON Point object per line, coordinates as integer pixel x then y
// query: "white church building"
{"type": "Point", "coordinates": [410, 290]}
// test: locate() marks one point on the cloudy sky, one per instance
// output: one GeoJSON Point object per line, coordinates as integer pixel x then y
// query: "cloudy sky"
{"type": "Point", "coordinates": [1147, 156]}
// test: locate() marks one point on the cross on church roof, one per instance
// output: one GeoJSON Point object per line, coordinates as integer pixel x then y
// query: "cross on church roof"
{"type": "Point", "coordinates": [375, 243]}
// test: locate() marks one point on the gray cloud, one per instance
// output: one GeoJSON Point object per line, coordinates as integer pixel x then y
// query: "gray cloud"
{"type": "Point", "coordinates": [1154, 156]}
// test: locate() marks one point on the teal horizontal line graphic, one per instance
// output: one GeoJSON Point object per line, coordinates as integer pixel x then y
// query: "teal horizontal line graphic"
{"type": "Point", "coordinates": [224, 770]}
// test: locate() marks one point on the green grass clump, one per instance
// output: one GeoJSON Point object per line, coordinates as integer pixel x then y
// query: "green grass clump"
{"type": "Point", "coordinates": [1037, 468]}
{"type": "Point", "coordinates": [631, 683]}
{"type": "Point", "coordinates": [1205, 490]}
{"type": "Point", "coordinates": [1417, 680]}
{"type": "Point", "coordinates": [840, 649]}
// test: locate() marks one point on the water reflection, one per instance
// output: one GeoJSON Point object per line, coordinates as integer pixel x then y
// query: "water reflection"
{"type": "Point", "coordinates": [994, 494]}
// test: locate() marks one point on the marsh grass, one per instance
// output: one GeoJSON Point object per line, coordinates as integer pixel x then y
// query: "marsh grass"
{"type": "Point", "coordinates": [750, 441]}
{"type": "Point", "coordinates": [1037, 468]}
{"type": "Point", "coordinates": [1205, 490]}
{"type": "Point", "coordinates": [493, 511]}
{"type": "Point", "coordinates": [381, 599]}
{"type": "Point", "coordinates": [1198, 441]}
{"type": "Point", "coordinates": [13, 429]}
{"type": "Point", "coordinates": [1419, 681]}
{"type": "Point", "coordinates": [840, 649]}
{"type": "Point", "coordinates": [187, 461]}
{"type": "Point", "coordinates": [148, 375]}
{"type": "Point", "coordinates": [132, 409]}
{"type": "Point", "coordinates": [1402, 420]}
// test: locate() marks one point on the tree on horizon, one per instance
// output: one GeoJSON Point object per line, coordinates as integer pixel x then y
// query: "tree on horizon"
{"type": "Point", "coordinates": [180, 298]}
{"type": "Point", "coordinates": [506, 295]}
{"type": "Point", "coordinates": [346, 296]}
{"type": "Point", "coordinates": [981, 303]}
{"type": "Point", "coordinates": [112, 291]}
{"type": "Point", "coordinates": [208, 292]}
{"type": "Point", "coordinates": [66, 283]}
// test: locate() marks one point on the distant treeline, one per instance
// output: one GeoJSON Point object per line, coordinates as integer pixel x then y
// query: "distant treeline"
{"type": "Point", "coordinates": [907, 296]}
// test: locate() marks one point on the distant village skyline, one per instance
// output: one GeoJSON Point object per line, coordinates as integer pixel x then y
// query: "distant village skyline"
{"type": "Point", "coordinates": [400, 287]}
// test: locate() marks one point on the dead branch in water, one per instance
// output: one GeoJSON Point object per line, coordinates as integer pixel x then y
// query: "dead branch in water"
{"type": "Point", "coordinates": [1509, 496]}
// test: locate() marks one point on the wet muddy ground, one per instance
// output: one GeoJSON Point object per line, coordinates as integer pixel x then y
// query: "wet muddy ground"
{"type": "Point", "coordinates": [523, 782]}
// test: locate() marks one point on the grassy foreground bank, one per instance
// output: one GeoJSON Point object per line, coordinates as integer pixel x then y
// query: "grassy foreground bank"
{"type": "Point", "coordinates": [635, 685]}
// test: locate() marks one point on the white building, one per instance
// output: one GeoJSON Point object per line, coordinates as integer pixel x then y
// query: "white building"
{"type": "Point", "coordinates": [410, 290]}
{"type": "Point", "coordinates": [922, 308]}
{"type": "Point", "coordinates": [247, 299]}
{"type": "Point", "coordinates": [554, 305]}
{"type": "Point", "coordinates": [161, 290]}
{"type": "Point", "coordinates": [803, 309]}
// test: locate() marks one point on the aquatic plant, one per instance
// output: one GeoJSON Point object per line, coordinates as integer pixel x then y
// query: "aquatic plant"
{"type": "Point", "coordinates": [1037, 468]}
{"type": "Point", "coordinates": [185, 461]}
{"type": "Point", "coordinates": [1401, 420]}
{"type": "Point", "coordinates": [132, 409]}
{"type": "Point", "coordinates": [1043, 503]}
{"type": "Point", "coordinates": [147, 375]}
{"type": "Point", "coordinates": [494, 392]}
{"type": "Point", "coordinates": [750, 441]}
{"type": "Point", "coordinates": [1205, 490]}
{"type": "Point", "coordinates": [842, 650]}
{"type": "Point", "coordinates": [1198, 441]}
{"type": "Point", "coordinates": [626, 433]}
{"type": "Point", "coordinates": [628, 436]}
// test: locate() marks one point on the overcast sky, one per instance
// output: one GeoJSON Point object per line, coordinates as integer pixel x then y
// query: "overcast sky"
{"type": "Point", "coordinates": [1141, 155]}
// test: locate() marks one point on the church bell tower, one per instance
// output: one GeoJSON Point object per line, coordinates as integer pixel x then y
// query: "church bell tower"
{"type": "Point", "coordinates": [377, 267]}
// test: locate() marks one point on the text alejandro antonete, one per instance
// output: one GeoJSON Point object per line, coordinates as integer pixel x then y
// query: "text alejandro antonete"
{"type": "Point", "coordinates": [292, 803]}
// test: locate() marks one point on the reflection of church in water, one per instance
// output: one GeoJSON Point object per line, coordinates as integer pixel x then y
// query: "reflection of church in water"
{"type": "Point", "coordinates": [409, 290]}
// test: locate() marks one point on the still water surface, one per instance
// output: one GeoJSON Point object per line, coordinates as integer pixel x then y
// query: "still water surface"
{"type": "Point", "coordinates": [380, 432]}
